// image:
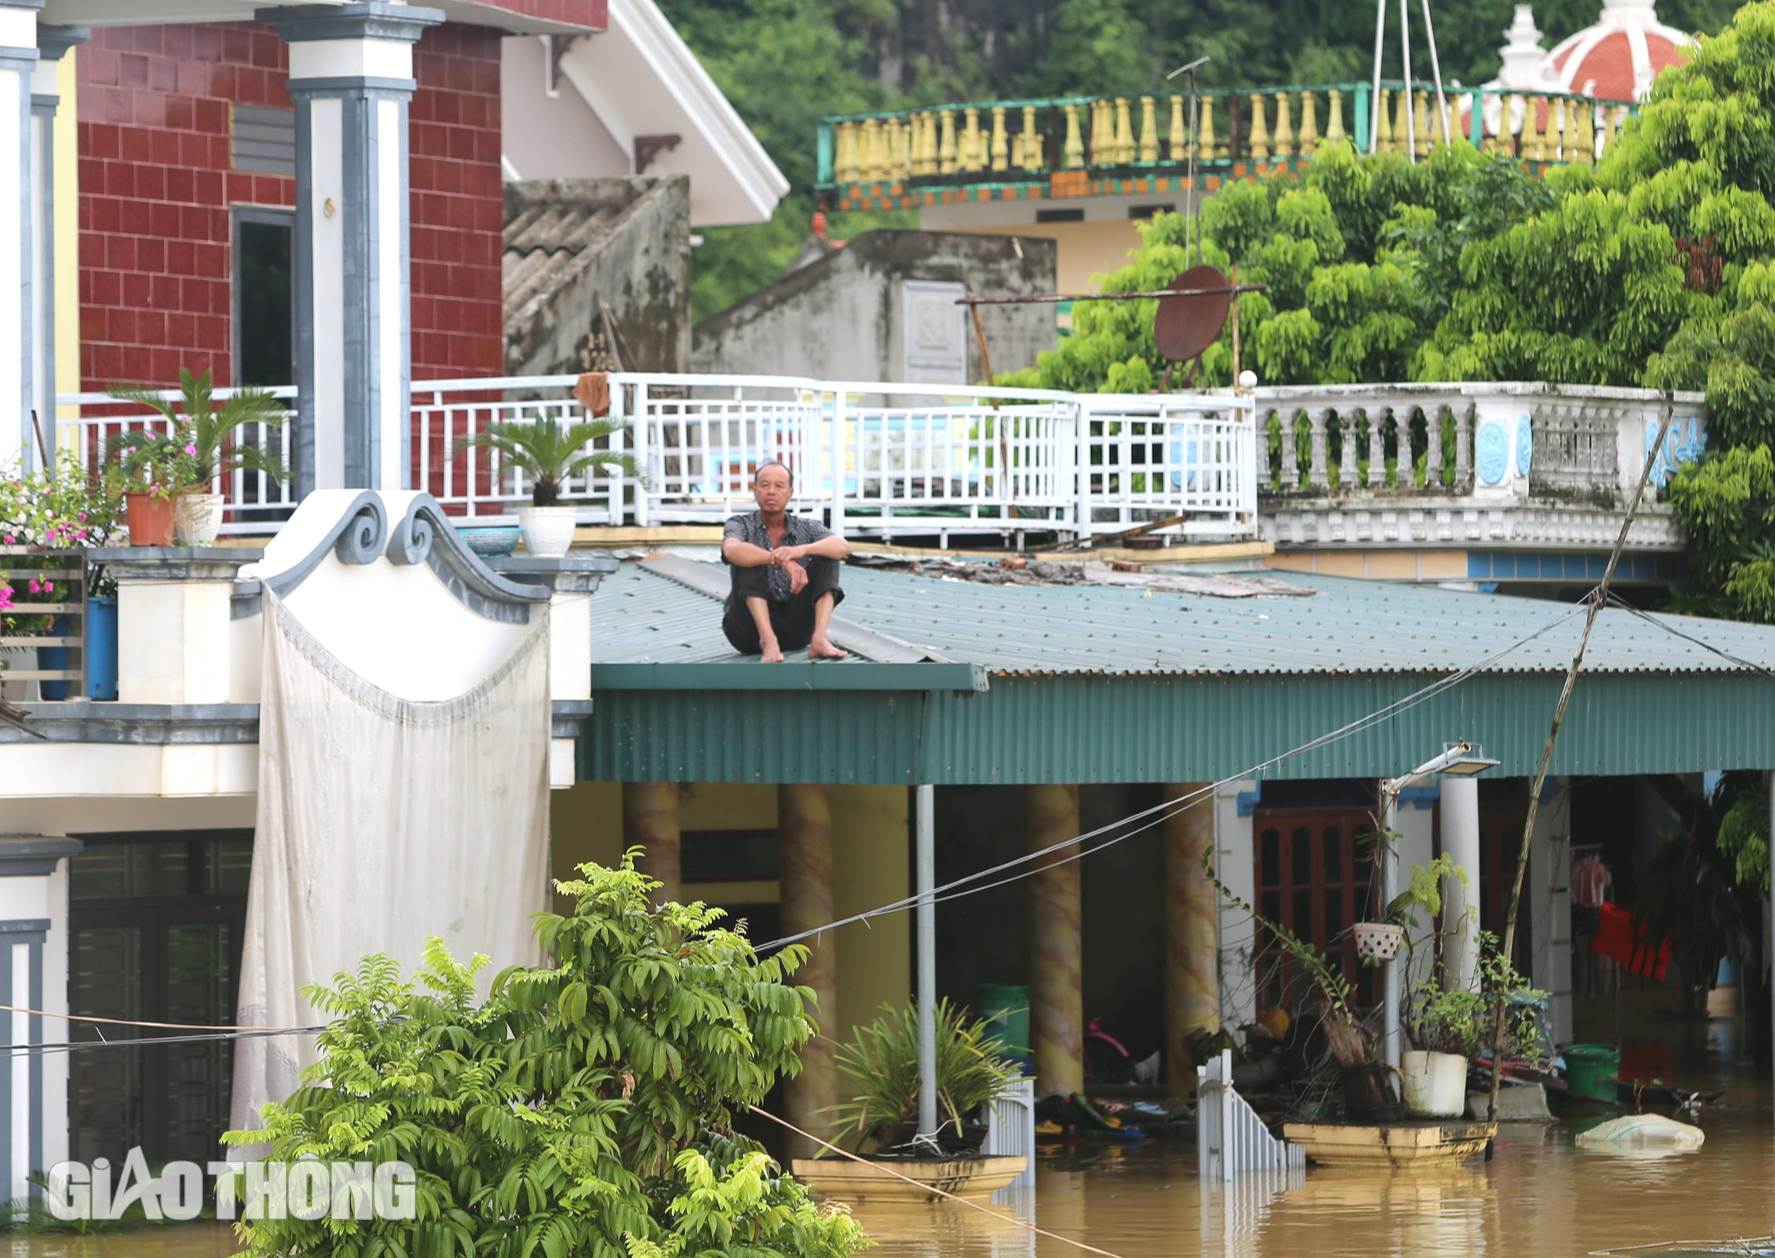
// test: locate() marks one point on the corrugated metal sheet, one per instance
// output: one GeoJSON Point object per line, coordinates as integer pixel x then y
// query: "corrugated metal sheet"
{"type": "Point", "coordinates": [1155, 729]}
{"type": "Point", "coordinates": [1105, 684]}
{"type": "Point", "coordinates": [1348, 626]}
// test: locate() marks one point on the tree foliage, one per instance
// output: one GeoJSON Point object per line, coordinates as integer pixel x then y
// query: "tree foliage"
{"type": "Point", "coordinates": [585, 1107]}
{"type": "Point", "coordinates": [1357, 260]}
{"type": "Point", "coordinates": [848, 56]}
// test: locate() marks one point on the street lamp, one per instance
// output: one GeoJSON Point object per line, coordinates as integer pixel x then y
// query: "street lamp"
{"type": "Point", "coordinates": [1457, 760]}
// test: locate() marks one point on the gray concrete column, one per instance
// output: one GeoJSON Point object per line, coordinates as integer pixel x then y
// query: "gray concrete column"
{"type": "Point", "coordinates": [53, 43]}
{"type": "Point", "coordinates": [1460, 905]}
{"type": "Point", "coordinates": [351, 78]}
{"type": "Point", "coordinates": [18, 213]}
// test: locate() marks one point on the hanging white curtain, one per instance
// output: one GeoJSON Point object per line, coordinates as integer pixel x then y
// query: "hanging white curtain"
{"type": "Point", "coordinates": [382, 821]}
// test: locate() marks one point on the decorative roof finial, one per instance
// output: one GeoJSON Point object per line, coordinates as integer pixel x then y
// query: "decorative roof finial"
{"type": "Point", "coordinates": [1523, 53]}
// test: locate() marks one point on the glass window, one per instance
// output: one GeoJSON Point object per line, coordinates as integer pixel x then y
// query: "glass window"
{"type": "Point", "coordinates": [264, 306]}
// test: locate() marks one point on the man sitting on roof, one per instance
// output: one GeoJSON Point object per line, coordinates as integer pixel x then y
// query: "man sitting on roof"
{"type": "Point", "coordinates": [785, 575]}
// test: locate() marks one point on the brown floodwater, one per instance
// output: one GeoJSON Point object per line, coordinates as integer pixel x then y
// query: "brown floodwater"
{"type": "Point", "coordinates": [1539, 1196]}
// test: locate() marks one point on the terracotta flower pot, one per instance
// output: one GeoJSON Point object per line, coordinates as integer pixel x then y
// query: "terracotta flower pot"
{"type": "Point", "coordinates": [150, 520]}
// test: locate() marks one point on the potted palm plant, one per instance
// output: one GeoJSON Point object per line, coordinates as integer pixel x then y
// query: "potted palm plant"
{"type": "Point", "coordinates": [549, 454]}
{"type": "Point", "coordinates": [204, 442]}
{"type": "Point", "coordinates": [880, 1068]}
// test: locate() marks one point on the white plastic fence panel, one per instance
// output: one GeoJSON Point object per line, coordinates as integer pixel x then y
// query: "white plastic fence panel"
{"type": "Point", "coordinates": [1010, 1127]}
{"type": "Point", "coordinates": [1230, 1137]}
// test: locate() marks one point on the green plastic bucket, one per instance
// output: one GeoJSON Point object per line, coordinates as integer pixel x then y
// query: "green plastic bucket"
{"type": "Point", "coordinates": [1004, 1007]}
{"type": "Point", "coordinates": [1590, 1070]}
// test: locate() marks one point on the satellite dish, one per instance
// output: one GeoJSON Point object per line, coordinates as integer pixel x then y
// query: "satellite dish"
{"type": "Point", "coordinates": [1190, 322]}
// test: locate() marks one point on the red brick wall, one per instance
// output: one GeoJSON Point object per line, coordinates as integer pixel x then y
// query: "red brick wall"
{"type": "Point", "coordinates": [156, 189]}
{"type": "Point", "coordinates": [457, 233]}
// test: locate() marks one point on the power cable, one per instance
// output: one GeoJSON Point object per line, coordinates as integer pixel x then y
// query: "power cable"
{"type": "Point", "coordinates": [1153, 816]}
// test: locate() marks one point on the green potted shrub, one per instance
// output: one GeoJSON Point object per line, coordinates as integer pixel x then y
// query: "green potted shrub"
{"type": "Point", "coordinates": [1367, 1092]}
{"type": "Point", "coordinates": [203, 443]}
{"type": "Point", "coordinates": [879, 1067]}
{"type": "Point", "coordinates": [549, 454]}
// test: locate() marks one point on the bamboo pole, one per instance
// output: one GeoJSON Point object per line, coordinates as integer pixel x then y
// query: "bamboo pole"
{"type": "Point", "coordinates": [1598, 600]}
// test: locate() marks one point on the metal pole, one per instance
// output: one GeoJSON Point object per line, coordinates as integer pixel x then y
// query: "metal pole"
{"type": "Point", "coordinates": [1771, 940]}
{"type": "Point", "coordinates": [925, 856]}
{"type": "Point", "coordinates": [1411, 139]}
{"type": "Point", "coordinates": [1189, 207]}
{"type": "Point", "coordinates": [1374, 97]}
{"type": "Point", "coordinates": [1436, 73]}
{"type": "Point", "coordinates": [1389, 888]}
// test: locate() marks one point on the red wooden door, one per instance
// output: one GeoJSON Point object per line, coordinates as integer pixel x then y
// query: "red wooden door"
{"type": "Point", "coordinates": [1314, 875]}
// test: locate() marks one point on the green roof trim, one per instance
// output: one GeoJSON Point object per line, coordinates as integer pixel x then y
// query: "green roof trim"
{"type": "Point", "coordinates": [1157, 728]}
{"type": "Point", "coordinates": [798, 676]}
{"type": "Point", "coordinates": [1168, 679]}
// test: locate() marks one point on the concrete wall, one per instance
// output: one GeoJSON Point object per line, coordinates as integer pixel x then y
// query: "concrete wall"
{"type": "Point", "coordinates": [640, 267]}
{"type": "Point", "coordinates": [842, 318]}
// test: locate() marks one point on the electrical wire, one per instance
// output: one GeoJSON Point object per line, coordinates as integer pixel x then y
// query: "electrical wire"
{"type": "Point", "coordinates": [1650, 619]}
{"type": "Point", "coordinates": [951, 890]}
{"type": "Point", "coordinates": [1151, 817]}
{"type": "Point", "coordinates": [884, 1169]}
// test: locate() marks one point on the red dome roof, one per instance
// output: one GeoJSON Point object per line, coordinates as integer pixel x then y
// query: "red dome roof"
{"type": "Point", "coordinates": [1618, 58]}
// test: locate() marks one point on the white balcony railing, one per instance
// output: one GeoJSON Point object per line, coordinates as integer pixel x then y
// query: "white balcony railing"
{"type": "Point", "coordinates": [877, 458]}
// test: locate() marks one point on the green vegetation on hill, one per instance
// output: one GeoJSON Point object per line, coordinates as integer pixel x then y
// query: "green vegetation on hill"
{"type": "Point", "coordinates": [787, 63]}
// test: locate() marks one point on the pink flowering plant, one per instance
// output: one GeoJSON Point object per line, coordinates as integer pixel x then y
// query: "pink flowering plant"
{"type": "Point", "coordinates": [159, 464]}
{"type": "Point", "coordinates": [202, 440]}
{"type": "Point", "coordinates": [72, 508]}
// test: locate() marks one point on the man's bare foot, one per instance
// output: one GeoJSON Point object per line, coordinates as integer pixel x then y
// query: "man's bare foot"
{"type": "Point", "coordinates": [773, 654]}
{"type": "Point", "coordinates": [820, 649]}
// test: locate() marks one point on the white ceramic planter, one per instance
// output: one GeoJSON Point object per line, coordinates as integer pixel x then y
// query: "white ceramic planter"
{"type": "Point", "coordinates": [1378, 939]}
{"type": "Point", "coordinates": [1435, 1084]}
{"type": "Point", "coordinates": [548, 531]}
{"type": "Point", "coordinates": [197, 518]}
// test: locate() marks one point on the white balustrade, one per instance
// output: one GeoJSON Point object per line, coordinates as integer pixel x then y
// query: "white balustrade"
{"type": "Point", "coordinates": [876, 458]}
{"type": "Point", "coordinates": [1505, 441]}
{"type": "Point", "coordinates": [886, 458]}
{"type": "Point", "coordinates": [256, 502]}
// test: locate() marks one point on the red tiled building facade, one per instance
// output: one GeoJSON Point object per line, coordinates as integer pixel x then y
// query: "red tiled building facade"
{"type": "Point", "coordinates": [159, 194]}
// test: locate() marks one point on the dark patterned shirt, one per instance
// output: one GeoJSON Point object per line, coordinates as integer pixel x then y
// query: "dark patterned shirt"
{"type": "Point", "coordinates": [798, 530]}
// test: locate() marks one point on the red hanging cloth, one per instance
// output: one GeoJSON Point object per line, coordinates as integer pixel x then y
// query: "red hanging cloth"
{"type": "Point", "coordinates": [1626, 938]}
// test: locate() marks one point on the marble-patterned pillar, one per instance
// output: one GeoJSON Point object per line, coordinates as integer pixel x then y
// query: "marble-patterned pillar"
{"type": "Point", "coordinates": [1192, 973]}
{"type": "Point", "coordinates": [650, 822]}
{"type": "Point", "coordinates": [1056, 1004]}
{"type": "Point", "coordinates": [804, 873]}
{"type": "Point", "coordinates": [351, 80]}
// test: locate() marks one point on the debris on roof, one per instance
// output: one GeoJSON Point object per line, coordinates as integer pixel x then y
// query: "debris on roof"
{"type": "Point", "coordinates": [1017, 571]}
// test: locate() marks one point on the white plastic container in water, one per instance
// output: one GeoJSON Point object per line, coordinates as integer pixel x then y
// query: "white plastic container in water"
{"type": "Point", "coordinates": [1435, 1084]}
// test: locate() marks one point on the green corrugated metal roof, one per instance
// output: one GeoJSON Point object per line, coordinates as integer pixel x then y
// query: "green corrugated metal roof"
{"type": "Point", "coordinates": [1346, 626]}
{"type": "Point", "coordinates": [1109, 684]}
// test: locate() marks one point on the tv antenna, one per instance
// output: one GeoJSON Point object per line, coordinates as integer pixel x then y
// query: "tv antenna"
{"type": "Point", "coordinates": [1374, 96]}
{"type": "Point", "coordinates": [1191, 207]}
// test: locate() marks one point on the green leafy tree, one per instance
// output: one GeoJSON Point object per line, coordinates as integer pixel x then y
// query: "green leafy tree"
{"type": "Point", "coordinates": [1357, 261]}
{"type": "Point", "coordinates": [585, 1107]}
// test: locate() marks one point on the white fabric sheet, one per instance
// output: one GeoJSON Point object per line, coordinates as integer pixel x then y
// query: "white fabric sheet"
{"type": "Point", "coordinates": [383, 821]}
